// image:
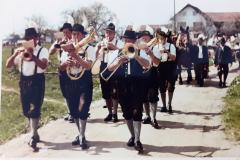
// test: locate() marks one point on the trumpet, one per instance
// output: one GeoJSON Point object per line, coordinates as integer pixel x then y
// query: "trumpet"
{"type": "Point", "coordinates": [26, 50]}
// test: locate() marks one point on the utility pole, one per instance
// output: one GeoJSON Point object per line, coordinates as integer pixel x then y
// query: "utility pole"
{"type": "Point", "coordinates": [174, 17]}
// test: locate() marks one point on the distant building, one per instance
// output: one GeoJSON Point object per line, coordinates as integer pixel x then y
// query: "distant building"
{"type": "Point", "coordinates": [208, 23]}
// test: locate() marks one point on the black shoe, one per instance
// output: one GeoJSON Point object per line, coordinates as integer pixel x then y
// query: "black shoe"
{"type": "Point", "coordinates": [37, 138]}
{"type": "Point", "coordinates": [138, 146]}
{"type": "Point", "coordinates": [220, 84]}
{"type": "Point", "coordinates": [224, 85]}
{"type": "Point", "coordinates": [66, 117]}
{"type": "Point", "coordinates": [83, 143]}
{"type": "Point", "coordinates": [33, 142]}
{"type": "Point", "coordinates": [76, 141]}
{"type": "Point", "coordinates": [115, 118]}
{"type": "Point", "coordinates": [180, 81]}
{"type": "Point", "coordinates": [130, 142]}
{"type": "Point", "coordinates": [155, 124]}
{"type": "Point", "coordinates": [164, 109]}
{"type": "Point", "coordinates": [147, 120]}
{"type": "Point", "coordinates": [108, 118]}
{"type": "Point", "coordinates": [170, 109]}
{"type": "Point", "coordinates": [104, 106]}
{"type": "Point", "coordinates": [70, 119]}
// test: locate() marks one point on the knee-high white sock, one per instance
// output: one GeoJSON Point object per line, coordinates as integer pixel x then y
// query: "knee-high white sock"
{"type": "Point", "coordinates": [34, 126]}
{"type": "Point", "coordinates": [115, 106]}
{"type": "Point", "coordinates": [137, 130]}
{"type": "Point", "coordinates": [83, 124]}
{"type": "Point", "coordinates": [147, 110]}
{"type": "Point", "coordinates": [154, 109]}
{"type": "Point", "coordinates": [130, 127]}
{"type": "Point", "coordinates": [76, 120]}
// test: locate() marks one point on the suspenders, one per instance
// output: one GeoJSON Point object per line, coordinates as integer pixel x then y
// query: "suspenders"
{"type": "Point", "coordinates": [35, 69]}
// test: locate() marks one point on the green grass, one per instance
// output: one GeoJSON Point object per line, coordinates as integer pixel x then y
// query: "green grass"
{"type": "Point", "coordinates": [12, 122]}
{"type": "Point", "coordinates": [231, 113]}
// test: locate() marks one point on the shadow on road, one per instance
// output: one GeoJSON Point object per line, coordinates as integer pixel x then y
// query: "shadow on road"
{"type": "Point", "coordinates": [102, 147]}
{"type": "Point", "coordinates": [175, 125]}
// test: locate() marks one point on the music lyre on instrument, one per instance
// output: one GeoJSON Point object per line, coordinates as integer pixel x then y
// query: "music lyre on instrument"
{"type": "Point", "coordinates": [75, 73]}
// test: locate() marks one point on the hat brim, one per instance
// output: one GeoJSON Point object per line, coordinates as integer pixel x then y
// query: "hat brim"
{"type": "Point", "coordinates": [107, 29]}
{"type": "Point", "coordinates": [31, 36]}
{"type": "Point", "coordinates": [61, 29]}
{"type": "Point", "coordinates": [129, 37]}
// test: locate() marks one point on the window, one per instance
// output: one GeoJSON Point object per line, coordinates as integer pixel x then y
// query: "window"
{"type": "Point", "coordinates": [194, 13]}
{"type": "Point", "coordinates": [183, 24]}
{"type": "Point", "coordinates": [197, 25]}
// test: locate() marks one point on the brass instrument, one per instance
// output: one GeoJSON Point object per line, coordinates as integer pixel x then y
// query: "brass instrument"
{"type": "Point", "coordinates": [97, 63]}
{"type": "Point", "coordinates": [73, 72]}
{"type": "Point", "coordinates": [26, 50]}
{"type": "Point", "coordinates": [130, 51]}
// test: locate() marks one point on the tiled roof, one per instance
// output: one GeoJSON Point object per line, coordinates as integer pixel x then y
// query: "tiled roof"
{"type": "Point", "coordinates": [224, 16]}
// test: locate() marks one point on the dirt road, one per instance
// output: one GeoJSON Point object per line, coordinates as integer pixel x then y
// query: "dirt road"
{"type": "Point", "coordinates": [194, 130]}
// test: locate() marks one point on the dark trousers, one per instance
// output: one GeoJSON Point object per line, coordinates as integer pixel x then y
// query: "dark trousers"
{"type": "Point", "coordinates": [32, 89]}
{"type": "Point", "coordinates": [130, 98]}
{"type": "Point", "coordinates": [200, 73]}
{"type": "Point", "coordinates": [167, 75]}
{"type": "Point", "coordinates": [223, 69]}
{"type": "Point", "coordinates": [150, 87]}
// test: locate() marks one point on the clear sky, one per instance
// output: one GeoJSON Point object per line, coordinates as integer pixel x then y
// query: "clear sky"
{"type": "Point", "coordinates": [13, 13]}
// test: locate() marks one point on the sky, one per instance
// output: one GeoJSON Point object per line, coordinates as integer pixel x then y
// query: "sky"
{"type": "Point", "coordinates": [13, 13]}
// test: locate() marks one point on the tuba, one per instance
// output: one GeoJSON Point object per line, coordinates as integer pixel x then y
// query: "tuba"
{"type": "Point", "coordinates": [74, 72]}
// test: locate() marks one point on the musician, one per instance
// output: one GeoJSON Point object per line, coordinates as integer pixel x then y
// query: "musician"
{"type": "Point", "coordinates": [150, 84]}
{"type": "Point", "coordinates": [184, 56]}
{"type": "Point", "coordinates": [166, 68]}
{"type": "Point", "coordinates": [55, 48]}
{"type": "Point", "coordinates": [200, 53]}
{"type": "Point", "coordinates": [32, 80]}
{"type": "Point", "coordinates": [79, 91]}
{"type": "Point", "coordinates": [109, 44]}
{"type": "Point", "coordinates": [222, 58]}
{"type": "Point", "coordinates": [129, 73]}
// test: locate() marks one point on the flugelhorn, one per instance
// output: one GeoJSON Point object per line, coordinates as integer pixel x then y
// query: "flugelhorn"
{"type": "Point", "coordinates": [74, 72]}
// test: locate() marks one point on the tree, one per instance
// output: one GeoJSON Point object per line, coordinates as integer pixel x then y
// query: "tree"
{"type": "Point", "coordinates": [38, 22]}
{"type": "Point", "coordinates": [96, 15]}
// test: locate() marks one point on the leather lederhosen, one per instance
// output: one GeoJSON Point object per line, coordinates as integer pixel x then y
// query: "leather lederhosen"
{"type": "Point", "coordinates": [79, 94]}
{"type": "Point", "coordinates": [167, 73]}
{"type": "Point", "coordinates": [32, 89]}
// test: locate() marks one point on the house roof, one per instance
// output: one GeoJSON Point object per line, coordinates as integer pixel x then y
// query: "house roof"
{"type": "Point", "coordinates": [224, 16]}
{"type": "Point", "coordinates": [196, 9]}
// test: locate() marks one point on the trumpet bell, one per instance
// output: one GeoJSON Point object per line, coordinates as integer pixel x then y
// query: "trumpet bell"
{"type": "Point", "coordinates": [130, 50]}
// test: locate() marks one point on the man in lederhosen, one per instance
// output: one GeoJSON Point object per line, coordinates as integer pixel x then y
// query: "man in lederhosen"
{"type": "Point", "coordinates": [79, 90]}
{"type": "Point", "coordinates": [31, 63]}
{"type": "Point", "coordinates": [222, 59]}
{"type": "Point", "coordinates": [55, 48]}
{"type": "Point", "coordinates": [109, 44]}
{"type": "Point", "coordinates": [150, 84]}
{"type": "Point", "coordinates": [130, 75]}
{"type": "Point", "coordinates": [166, 68]}
{"type": "Point", "coordinates": [200, 54]}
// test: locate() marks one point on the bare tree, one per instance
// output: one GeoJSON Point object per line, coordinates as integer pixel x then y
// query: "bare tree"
{"type": "Point", "coordinates": [40, 22]}
{"type": "Point", "coordinates": [96, 14]}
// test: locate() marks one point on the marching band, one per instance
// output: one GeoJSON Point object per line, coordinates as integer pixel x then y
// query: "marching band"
{"type": "Point", "coordinates": [133, 70]}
